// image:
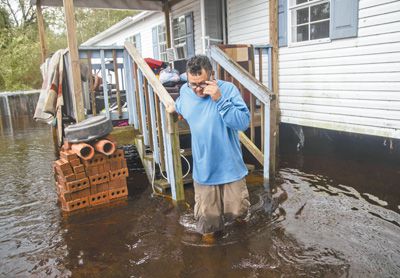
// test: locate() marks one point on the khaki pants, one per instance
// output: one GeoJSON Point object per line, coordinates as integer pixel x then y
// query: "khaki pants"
{"type": "Point", "coordinates": [215, 204]}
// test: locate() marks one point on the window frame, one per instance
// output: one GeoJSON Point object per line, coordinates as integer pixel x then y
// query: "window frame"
{"type": "Point", "coordinates": [186, 37]}
{"type": "Point", "coordinates": [162, 25]}
{"type": "Point", "coordinates": [292, 9]}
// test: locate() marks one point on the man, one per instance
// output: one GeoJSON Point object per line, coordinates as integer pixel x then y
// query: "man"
{"type": "Point", "coordinates": [215, 112]}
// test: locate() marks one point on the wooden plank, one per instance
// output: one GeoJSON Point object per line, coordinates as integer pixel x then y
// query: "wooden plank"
{"type": "Point", "coordinates": [74, 55]}
{"type": "Point", "coordinates": [142, 104]}
{"type": "Point", "coordinates": [243, 76]}
{"type": "Point", "coordinates": [42, 33]}
{"type": "Point", "coordinates": [135, 77]}
{"type": "Point", "coordinates": [158, 88]}
{"type": "Point", "coordinates": [148, 118]}
{"type": "Point", "coordinates": [251, 147]}
{"type": "Point", "coordinates": [153, 120]}
{"type": "Point", "coordinates": [176, 153]}
{"type": "Point", "coordinates": [252, 111]}
{"type": "Point", "coordinates": [159, 132]}
{"type": "Point", "coordinates": [115, 62]}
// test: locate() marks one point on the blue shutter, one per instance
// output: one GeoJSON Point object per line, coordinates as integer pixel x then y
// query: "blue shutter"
{"type": "Point", "coordinates": [190, 35]}
{"type": "Point", "coordinates": [282, 23]}
{"type": "Point", "coordinates": [344, 19]}
{"type": "Point", "coordinates": [156, 53]}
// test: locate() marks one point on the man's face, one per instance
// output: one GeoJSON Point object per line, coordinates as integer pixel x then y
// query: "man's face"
{"type": "Point", "coordinates": [198, 82]}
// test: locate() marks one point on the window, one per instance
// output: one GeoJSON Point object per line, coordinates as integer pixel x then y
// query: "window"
{"type": "Point", "coordinates": [183, 36]}
{"type": "Point", "coordinates": [135, 39]}
{"type": "Point", "coordinates": [160, 43]}
{"type": "Point", "coordinates": [310, 19]}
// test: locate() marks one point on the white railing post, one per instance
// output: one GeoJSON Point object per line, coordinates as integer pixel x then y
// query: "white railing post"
{"type": "Point", "coordinates": [142, 108]}
{"type": "Point", "coordinates": [153, 119]}
{"type": "Point", "coordinates": [105, 87]}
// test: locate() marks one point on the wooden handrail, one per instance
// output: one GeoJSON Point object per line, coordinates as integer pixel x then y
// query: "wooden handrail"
{"type": "Point", "coordinates": [158, 88]}
{"type": "Point", "coordinates": [240, 74]}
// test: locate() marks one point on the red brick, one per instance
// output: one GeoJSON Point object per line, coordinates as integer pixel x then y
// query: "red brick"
{"type": "Point", "coordinates": [77, 185]}
{"type": "Point", "coordinates": [106, 166]}
{"type": "Point", "coordinates": [74, 205]}
{"type": "Point", "coordinates": [101, 187]}
{"type": "Point", "coordinates": [66, 146]}
{"type": "Point", "coordinates": [68, 155]}
{"type": "Point", "coordinates": [97, 159]}
{"type": "Point", "coordinates": [65, 179]}
{"type": "Point", "coordinates": [99, 198]}
{"type": "Point", "coordinates": [119, 173]}
{"type": "Point", "coordinates": [117, 183]}
{"type": "Point", "coordinates": [75, 162]}
{"type": "Point", "coordinates": [118, 193]}
{"type": "Point", "coordinates": [63, 167]}
{"type": "Point", "coordinates": [117, 154]}
{"type": "Point", "coordinates": [80, 176]}
{"type": "Point", "coordinates": [71, 196]}
{"type": "Point", "coordinates": [100, 178]}
{"type": "Point", "coordinates": [79, 169]}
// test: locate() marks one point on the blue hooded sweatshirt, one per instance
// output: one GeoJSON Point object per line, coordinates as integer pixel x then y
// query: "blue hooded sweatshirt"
{"type": "Point", "coordinates": [214, 125]}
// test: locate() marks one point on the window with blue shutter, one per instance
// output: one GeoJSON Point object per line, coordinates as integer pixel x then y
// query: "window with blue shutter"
{"type": "Point", "coordinates": [313, 20]}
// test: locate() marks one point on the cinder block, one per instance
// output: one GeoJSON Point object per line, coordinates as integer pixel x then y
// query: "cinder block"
{"type": "Point", "coordinates": [99, 198]}
{"type": "Point", "coordinates": [77, 185]}
{"type": "Point", "coordinates": [79, 169]}
{"type": "Point", "coordinates": [100, 178]}
{"type": "Point", "coordinates": [118, 193]}
{"type": "Point", "coordinates": [101, 187]}
{"type": "Point", "coordinates": [120, 173]}
{"type": "Point", "coordinates": [75, 205]}
{"type": "Point", "coordinates": [117, 183]}
{"type": "Point", "coordinates": [71, 196]}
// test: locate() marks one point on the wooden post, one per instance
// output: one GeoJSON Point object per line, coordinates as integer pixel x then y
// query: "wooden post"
{"type": "Point", "coordinates": [42, 34]}
{"type": "Point", "coordinates": [167, 25]}
{"type": "Point", "coordinates": [74, 56]}
{"type": "Point", "coordinates": [274, 130]}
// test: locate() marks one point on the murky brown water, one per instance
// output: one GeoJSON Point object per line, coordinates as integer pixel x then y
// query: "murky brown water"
{"type": "Point", "coordinates": [341, 218]}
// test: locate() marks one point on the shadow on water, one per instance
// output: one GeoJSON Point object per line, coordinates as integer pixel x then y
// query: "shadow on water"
{"type": "Point", "coordinates": [317, 221]}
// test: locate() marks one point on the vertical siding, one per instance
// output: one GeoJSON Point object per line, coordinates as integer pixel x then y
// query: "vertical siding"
{"type": "Point", "coordinates": [143, 27]}
{"type": "Point", "coordinates": [185, 7]}
{"type": "Point", "coordinates": [349, 84]}
{"type": "Point", "coordinates": [248, 21]}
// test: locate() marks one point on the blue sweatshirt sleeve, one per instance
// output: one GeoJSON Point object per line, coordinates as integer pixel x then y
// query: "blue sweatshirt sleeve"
{"type": "Point", "coordinates": [233, 109]}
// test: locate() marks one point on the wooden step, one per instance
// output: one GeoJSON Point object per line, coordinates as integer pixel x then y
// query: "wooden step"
{"type": "Point", "coordinates": [162, 185]}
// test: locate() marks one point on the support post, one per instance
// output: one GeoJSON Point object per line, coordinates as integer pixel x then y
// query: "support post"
{"type": "Point", "coordinates": [42, 34]}
{"type": "Point", "coordinates": [167, 24]}
{"type": "Point", "coordinates": [274, 121]}
{"type": "Point", "coordinates": [74, 55]}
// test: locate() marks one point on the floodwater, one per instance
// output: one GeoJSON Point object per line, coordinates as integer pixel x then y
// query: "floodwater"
{"type": "Point", "coordinates": [331, 215]}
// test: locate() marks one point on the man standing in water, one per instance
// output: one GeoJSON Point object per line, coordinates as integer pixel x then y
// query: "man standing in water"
{"type": "Point", "coordinates": [215, 112]}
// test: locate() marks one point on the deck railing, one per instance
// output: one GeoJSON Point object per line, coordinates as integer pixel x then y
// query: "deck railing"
{"type": "Point", "coordinates": [149, 102]}
{"type": "Point", "coordinates": [229, 70]}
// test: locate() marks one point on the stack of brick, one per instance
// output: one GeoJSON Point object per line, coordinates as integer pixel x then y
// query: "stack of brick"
{"type": "Point", "coordinates": [86, 183]}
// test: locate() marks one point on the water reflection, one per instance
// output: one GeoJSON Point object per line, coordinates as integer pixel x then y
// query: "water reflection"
{"type": "Point", "coordinates": [328, 216]}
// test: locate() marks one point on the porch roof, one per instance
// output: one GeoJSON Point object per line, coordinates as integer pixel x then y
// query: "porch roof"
{"type": "Point", "coordinates": [144, 5]}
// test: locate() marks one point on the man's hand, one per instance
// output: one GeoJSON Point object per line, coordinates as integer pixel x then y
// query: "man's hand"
{"type": "Point", "coordinates": [212, 90]}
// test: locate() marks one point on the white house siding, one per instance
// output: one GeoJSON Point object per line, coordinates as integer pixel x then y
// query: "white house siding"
{"type": "Point", "coordinates": [183, 8]}
{"type": "Point", "coordinates": [349, 84]}
{"type": "Point", "coordinates": [144, 27]}
{"type": "Point", "coordinates": [248, 23]}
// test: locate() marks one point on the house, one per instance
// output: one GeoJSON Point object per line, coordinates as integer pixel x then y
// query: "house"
{"type": "Point", "coordinates": [339, 60]}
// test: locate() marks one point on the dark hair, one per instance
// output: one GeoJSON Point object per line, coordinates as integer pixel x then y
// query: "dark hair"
{"type": "Point", "coordinates": [195, 64]}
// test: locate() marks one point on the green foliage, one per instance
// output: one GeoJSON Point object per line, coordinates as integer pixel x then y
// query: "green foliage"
{"type": "Point", "coordinates": [20, 48]}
